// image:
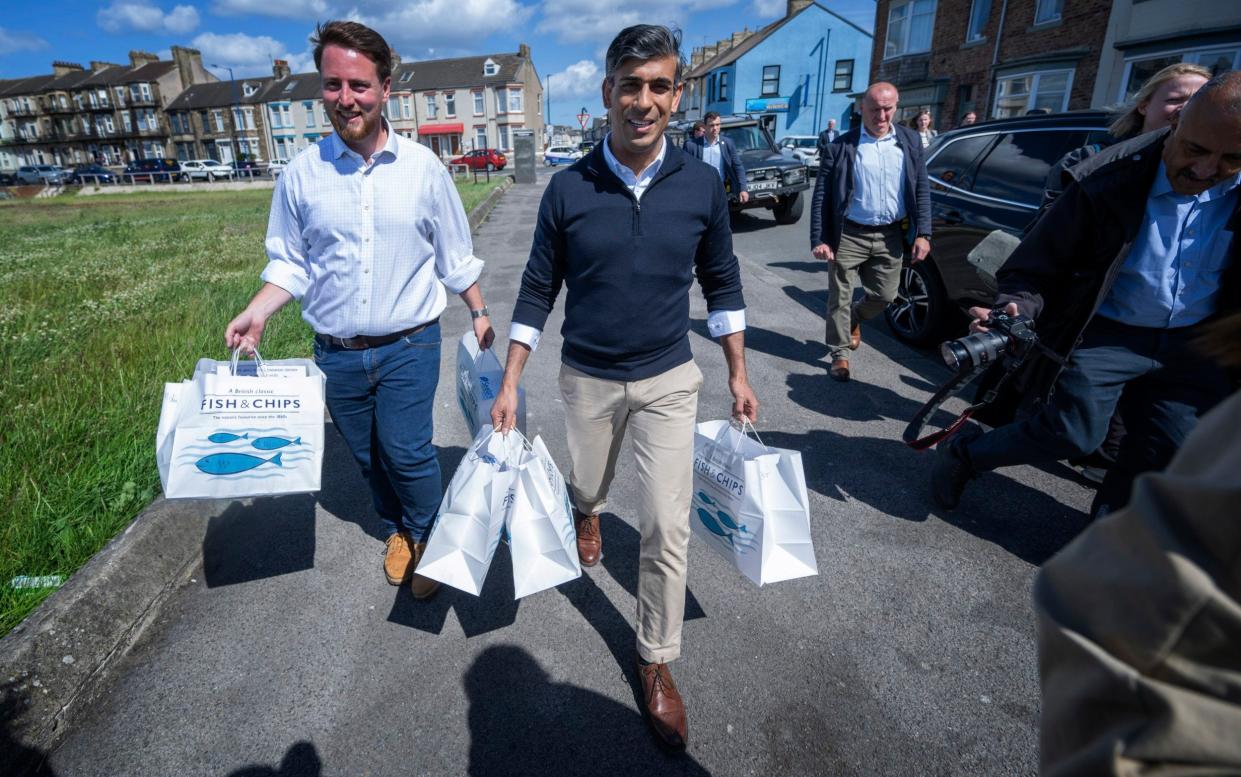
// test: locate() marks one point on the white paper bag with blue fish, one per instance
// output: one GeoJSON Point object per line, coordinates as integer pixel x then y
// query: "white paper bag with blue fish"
{"type": "Point", "coordinates": [478, 382]}
{"type": "Point", "coordinates": [472, 513]}
{"type": "Point", "coordinates": [540, 525]}
{"type": "Point", "coordinates": [750, 504]}
{"type": "Point", "coordinates": [240, 429]}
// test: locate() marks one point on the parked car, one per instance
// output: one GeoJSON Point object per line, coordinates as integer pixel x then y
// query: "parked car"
{"type": "Point", "coordinates": [775, 182]}
{"type": "Point", "coordinates": [561, 155]}
{"type": "Point", "coordinates": [802, 147]}
{"type": "Point", "coordinates": [153, 171]}
{"type": "Point", "coordinates": [585, 146]}
{"type": "Point", "coordinates": [44, 174]}
{"type": "Point", "coordinates": [984, 177]}
{"type": "Point", "coordinates": [482, 159]}
{"type": "Point", "coordinates": [206, 169]}
{"type": "Point", "coordinates": [247, 168]}
{"type": "Point", "coordinates": [91, 175]}
{"type": "Point", "coordinates": [8, 179]}
{"type": "Point", "coordinates": [276, 166]}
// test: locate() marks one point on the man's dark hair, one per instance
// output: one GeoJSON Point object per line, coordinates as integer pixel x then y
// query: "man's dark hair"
{"type": "Point", "coordinates": [644, 41]}
{"type": "Point", "coordinates": [360, 38]}
{"type": "Point", "coordinates": [1223, 90]}
{"type": "Point", "coordinates": [708, 116]}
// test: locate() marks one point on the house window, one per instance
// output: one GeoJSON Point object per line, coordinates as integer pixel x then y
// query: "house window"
{"type": "Point", "coordinates": [1048, 11]}
{"type": "Point", "coordinates": [1020, 94]}
{"type": "Point", "coordinates": [393, 108]}
{"type": "Point", "coordinates": [309, 107]}
{"type": "Point", "coordinates": [723, 86]}
{"type": "Point", "coordinates": [430, 106]}
{"type": "Point", "coordinates": [504, 144]}
{"type": "Point", "coordinates": [490, 68]}
{"type": "Point", "coordinates": [407, 106]}
{"type": "Point", "coordinates": [711, 89]}
{"type": "Point", "coordinates": [843, 79]}
{"type": "Point", "coordinates": [478, 104]}
{"type": "Point", "coordinates": [771, 80]}
{"type": "Point", "coordinates": [909, 28]}
{"type": "Point", "coordinates": [218, 116]}
{"type": "Point", "coordinates": [127, 122]}
{"type": "Point", "coordinates": [1139, 70]}
{"type": "Point", "coordinates": [243, 117]}
{"type": "Point", "coordinates": [108, 125]}
{"type": "Point", "coordinates": [450, 104]}
{"type": "Point", "coordinates": [980, 14]}
{"type": "Point", "coordinates": [480, 136]}
{"type": "Point", "coordinates": [514, 101]}
{"type": "Point", "coordinates": [408, 74]}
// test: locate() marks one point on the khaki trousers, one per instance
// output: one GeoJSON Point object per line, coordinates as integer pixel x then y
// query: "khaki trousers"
{"type": "Point", "coordinates": [659, 413]}
{"type": "Point", "coordinates": [873, 254]}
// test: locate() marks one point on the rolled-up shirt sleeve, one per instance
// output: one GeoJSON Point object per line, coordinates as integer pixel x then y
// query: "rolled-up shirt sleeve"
{"type": "Point", "coordinates": [455, 263]}
{"type": "Point", "coordinates": [725, 322]}
{"type": "Point", "coordinates": [286, 248]}
{"type": "Point", "coordinates": [521, 333]}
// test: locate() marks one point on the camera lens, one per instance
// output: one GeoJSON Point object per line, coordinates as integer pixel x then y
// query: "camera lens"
{"type": "Point", "coordinates": [976, 350]}
{"type": "Point", "coordinates": [954, 354]}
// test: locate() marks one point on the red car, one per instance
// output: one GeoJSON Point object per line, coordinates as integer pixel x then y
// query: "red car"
{"type": "Point", "coordinates": [482, 159]}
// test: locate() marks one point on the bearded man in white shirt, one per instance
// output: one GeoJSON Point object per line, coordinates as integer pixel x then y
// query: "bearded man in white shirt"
{"type": "Point", "coordinates": [367, 232]}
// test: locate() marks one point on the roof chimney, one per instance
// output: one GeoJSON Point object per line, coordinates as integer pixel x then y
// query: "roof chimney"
{"type": "Point", "coordinates": [523, 51]}
{"type": "Point", "coordinates": [189, 65]}
{"type": "Point", "coordinates": [695, 58]}
{"type": "Point", "coordinates": [97, 65]}
{"type": "Point", "coordinates": [60, 68]}
{"type": "Point", "coordinates": [140, 58]}
{"type": "Point", "coordinates": [796, 5]}
{"type": "Point", "coordinates": [280, 69]}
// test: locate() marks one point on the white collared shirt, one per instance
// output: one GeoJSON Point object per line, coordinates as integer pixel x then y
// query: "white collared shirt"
{"type": "Point", "coordinates": [713, 154]}
{"type": "Point", "coordinates": [878, 174]}
{"type": "Point", "coordinates": [369, 248]}
{"type": "Point", "coordinates": [719, 322]}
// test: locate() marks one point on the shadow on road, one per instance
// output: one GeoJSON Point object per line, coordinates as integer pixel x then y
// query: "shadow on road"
{"type": "Point", "coordinates": [523, 723]}
{"type": "Point", "coordinates": [811, 352]}
{"type": "Point", "coordinates": [494, 608]}
{"type": "Point", "coordinates": [747, 222]}
{"type": "Point", "coordinates": [271, 536]}
{"type": "Point", "coordinates": [895, 480]}
{"type": "Point", "coordinates": [302, 760]}
{"type": "Point", "coordinates": [16, 759]}
{"type": "Point", "coordinates": [811, 267]}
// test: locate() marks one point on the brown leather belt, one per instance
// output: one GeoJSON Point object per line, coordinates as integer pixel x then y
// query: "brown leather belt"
{"type": "Point", "coordinates": [362, 342]}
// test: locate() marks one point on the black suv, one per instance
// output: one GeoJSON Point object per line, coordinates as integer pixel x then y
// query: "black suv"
{"type": "Point", "coordinates": [984, 177]}
{"type": "Point", "coordinates": [776, 182]}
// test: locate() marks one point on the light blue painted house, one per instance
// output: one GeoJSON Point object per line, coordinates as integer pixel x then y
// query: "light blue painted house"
{"type": "Point", "coordinates": [796, 73]}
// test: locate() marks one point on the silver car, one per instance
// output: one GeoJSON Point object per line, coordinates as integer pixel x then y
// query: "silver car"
{"type": "Point", "coordinates": [206, 169]}
{"type": "Point", "coordinates": [801, 147]}
{"type": "Point", "coordinates": [44, 174]}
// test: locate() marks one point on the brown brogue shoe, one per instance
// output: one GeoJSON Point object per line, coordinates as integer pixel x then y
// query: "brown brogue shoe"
{"type": "Point", "coordinates": [855, 330]}
{"type": "Point", "coordinates": [589, 540]}
{"type": "Point", "coordinates": [662, 705]}
{"type": "Point", "coordinates": [839, 370]}
{"type": "Point", "coordinates": [398, 561]}
{"type": "Point", "coordinates": [422, 587]}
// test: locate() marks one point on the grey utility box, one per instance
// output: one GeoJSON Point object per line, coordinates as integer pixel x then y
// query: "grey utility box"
{"type": "Point", "coordinates": [523, 151]}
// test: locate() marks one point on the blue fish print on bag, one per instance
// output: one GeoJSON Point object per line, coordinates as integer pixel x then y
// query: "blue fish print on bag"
{"type": "Point", "coordinates": [705, 499]}
{"type": "Point", "coordinates": [709, 521]}
{"type": "Point", "coordinates": [227, 437]}
{"type": "Point", "coordinates": [728, 521]}
{"type": "Point", "coordinates": [272, 443]}
{"type": "Point", "coordinates": [232, 463]}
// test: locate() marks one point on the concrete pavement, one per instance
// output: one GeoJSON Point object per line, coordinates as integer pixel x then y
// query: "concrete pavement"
{"type": "Point", "coordinates": [285, 652]}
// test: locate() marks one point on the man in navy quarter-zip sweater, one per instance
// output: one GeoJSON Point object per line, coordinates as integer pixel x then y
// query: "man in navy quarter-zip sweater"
{"type": "Point", "coordinates": [625, 230]}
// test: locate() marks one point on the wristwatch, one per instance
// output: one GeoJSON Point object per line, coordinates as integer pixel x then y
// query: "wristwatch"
{"type": "Point", "coordinates": [483, 311]}
{"type": "Point", "coordinates": [927, 238]}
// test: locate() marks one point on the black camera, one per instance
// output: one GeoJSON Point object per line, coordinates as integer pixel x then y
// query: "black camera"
{"type": "Point", "coordinates": [1005, 335]}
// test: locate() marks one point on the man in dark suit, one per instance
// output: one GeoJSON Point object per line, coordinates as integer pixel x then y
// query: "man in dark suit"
{"type": "Point", "coordinates": [871, 198]}
{"type": "Point", "coordinates": [719, 152]}
{"type": "Point", "coordinates": [827, 136]}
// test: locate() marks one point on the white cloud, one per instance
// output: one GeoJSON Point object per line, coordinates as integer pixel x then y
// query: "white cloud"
{"type": "Point", "coordinates": [248, 55]}
{"type": "Point", "coordinates": [14, 42]}
{"type": "Point", "coordinates": [770, 9]}
{"type": "Point", "coordinates": [288, 9]}
{"type": "Point", "coordinates": [581, 79]}
{"type": "Point", "coordinates": [419, 25]}
{"type": "Point", "coordinates": [129, 15]}
{"type": "Point", "coordinates": [600, 20]}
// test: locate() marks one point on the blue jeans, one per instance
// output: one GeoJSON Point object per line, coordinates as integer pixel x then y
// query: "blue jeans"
{"type": "Point", "coordinates": [381, 400]}
{"type": "Point", "coordinates": [1167, 385]}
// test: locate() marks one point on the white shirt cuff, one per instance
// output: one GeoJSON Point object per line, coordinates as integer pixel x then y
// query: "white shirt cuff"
{"type": "Point", "coordinates": [725, 322]}
{"type": "Point", "coordinates": [524, 334]}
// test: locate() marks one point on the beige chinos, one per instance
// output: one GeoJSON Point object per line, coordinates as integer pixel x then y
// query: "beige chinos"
{"type": "Point", "coordinates": [659, 413]}
{"type": "Point", "coordinates": [873, 254]}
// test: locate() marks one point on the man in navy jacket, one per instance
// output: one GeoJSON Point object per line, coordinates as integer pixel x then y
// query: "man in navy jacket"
{"type": "Point", "coordinates": [625, 230]}
{"type": "Point", "coordinates": [720, 152]}
{"type": "Point", "coordinates": [872, 182]}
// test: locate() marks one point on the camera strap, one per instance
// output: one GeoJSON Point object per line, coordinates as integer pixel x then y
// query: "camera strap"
{"type": "Point", "coordinates": [919, 420]}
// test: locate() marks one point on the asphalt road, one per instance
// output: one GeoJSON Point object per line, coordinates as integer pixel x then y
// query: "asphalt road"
{"type": "Point", "coordinates": [911, 653]}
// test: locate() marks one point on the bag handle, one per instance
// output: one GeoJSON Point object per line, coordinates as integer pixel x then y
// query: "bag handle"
{"type": "Point", "coordinates": [743, 426]}
{"type": "Point", "coordinates": [259, 369]}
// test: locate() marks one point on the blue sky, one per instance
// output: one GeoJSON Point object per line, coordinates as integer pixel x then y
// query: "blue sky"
{"type": "Point", "coordinates": [567, 37]}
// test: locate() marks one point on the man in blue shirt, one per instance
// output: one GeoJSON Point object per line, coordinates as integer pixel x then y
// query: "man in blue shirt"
{"type": "Point", "coordinates": [719, 152]}
{"type": "Point", "coordinates": [1119, 275]}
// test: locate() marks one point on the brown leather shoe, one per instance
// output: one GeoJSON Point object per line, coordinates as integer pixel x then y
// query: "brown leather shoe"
{"type": "Point", "coordinates": [422, 587]}
{"type": "Point", "coordinates": [662, 705]}
{"type": "Point", "coordinates": [589, 540]}
{"type": "Point", "coordinates": [855, 332]}
{"type": "Point", "coordinates": [397, 559]}
{"type": "Point", "coordinates": [839, 370]}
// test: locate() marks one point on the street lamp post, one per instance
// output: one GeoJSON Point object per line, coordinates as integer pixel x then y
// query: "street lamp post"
{"type": "Point", "coordinates": [236, 110]}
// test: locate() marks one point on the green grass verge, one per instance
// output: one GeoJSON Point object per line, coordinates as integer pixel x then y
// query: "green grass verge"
{"type": "Point", "coordinates": [102, 300]}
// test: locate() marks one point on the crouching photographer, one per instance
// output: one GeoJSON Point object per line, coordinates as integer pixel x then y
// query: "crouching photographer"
{"type": "Point", "coordinates": [1118, 278]}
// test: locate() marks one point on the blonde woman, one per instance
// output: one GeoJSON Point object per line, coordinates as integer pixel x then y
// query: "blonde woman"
{"type": "Point", "coordinates": [922, 125]}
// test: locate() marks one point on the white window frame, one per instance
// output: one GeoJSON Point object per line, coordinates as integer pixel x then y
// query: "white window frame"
{"type": "Point", "coordinates": [980, 14]}
{"type": "Point", "coordinates": [1187, 55]}
{"type": "Point", "coordinates": [407, 107]}
{"type": "Point", "coordinates": [126, 121]}
{"type": "Point", "coordinates": [450, 105]}
{"type": "Point", "coordinates": [431, 106]}
{"type": "Point", "coordinates": [722, 93]}
{"type": "Point", "coordinates": [904, 47]}
{"type": "Point", "coordinates": [505, 138]}
{"type": "Point", "coordinates": [480, 102]}
{"type": "Point", "coordinates": [490, 68]}
{"type": "Point", "coordinates": [480, 137]}
{"type": "Point", "coordinates": [516, 100]}
{"type": "Point", "coordinates": [1046, 11]}
{"type": "Point", "coordinates": [1037, 76]}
